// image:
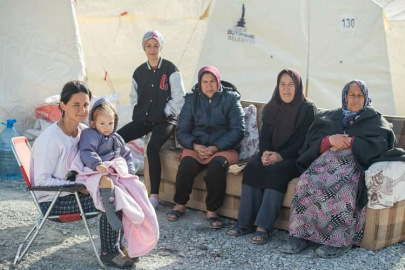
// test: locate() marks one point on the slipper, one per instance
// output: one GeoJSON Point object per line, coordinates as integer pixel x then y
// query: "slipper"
{"type": "Point", "coordinates": [213, 220]}
{"type": "Point", "coordinates": [328, 252]}
{"type": "Point", "coordinates": [264, 237]}
{"type": "Point", "coordinates": [134, 259]}
{"type": "Point", "coordinates": [294, 245]}
{"type": "Point", "coordinates": [117, 259]}
{"type": "Point", "coordinates": [154, 202]}
{"type": "Point", "coordinates": [239, 230]}
{"type": "Point", "coordinates": [174, 215]}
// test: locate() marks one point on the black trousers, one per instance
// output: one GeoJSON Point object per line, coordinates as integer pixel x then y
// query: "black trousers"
{"type": "Point", "coordinates": [160, 134]}
{"type": "Point", "coordinates": [215, 181]}
{"type": "Point", "coordinates": [110, 240]}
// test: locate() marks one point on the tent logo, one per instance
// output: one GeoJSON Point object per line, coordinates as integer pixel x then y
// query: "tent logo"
{"type": "Point", "coordinates": [239, 32]}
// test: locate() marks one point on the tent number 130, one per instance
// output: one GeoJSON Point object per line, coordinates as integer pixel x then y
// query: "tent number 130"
{"type": "Point", "coordinates": [348, 23]}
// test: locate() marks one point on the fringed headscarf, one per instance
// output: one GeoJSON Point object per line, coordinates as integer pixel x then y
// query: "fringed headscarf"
{"type": "Point", "coordinates": [155, 34]}
{"type": "Point", "coordinates": [351, 117]}
{"type": "Point", "coordinates": [283, 115]}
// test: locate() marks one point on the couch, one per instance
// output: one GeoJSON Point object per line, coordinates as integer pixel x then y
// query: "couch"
{"type": "Point", "coordinates": [383, 227]}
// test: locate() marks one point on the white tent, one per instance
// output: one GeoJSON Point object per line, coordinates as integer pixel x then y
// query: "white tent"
{"type": "Point", "coordinates": [329, 42]}
{"type": "Point", "coordinates": [40, 50]}
{"type": "Point", "coordinates": [46, 43]}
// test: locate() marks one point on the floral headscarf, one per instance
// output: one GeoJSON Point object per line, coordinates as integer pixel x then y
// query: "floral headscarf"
{"type": "Point", "coordinates": [351, 117]}
{"type": "Point", "coordinates": [155, 34]}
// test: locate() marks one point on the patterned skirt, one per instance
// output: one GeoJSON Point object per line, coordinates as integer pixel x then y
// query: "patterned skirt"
{"type": "Point", "coordinates": [324, 204]}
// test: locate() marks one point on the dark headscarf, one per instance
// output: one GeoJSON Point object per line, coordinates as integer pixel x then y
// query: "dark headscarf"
{"type": "Point", "coordinates": [351, 117]}
{"type": "Point", "coordinates": [282, 115]}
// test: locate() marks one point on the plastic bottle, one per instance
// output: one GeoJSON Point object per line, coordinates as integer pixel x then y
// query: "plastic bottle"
{"type": "Point", "coordinates": [9, 168]}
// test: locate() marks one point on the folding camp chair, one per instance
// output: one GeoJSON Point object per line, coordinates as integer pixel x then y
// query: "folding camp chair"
{"type": "Point", "coordinates": [22, 153]}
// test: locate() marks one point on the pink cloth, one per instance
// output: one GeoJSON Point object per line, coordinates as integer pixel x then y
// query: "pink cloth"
{"type": "Point", "coordinates": [231, 155]}
{"type": "Point", "coordinates": [141, 228]}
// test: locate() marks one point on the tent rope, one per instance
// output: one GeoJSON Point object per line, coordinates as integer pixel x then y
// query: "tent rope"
{"type": "Point", "coordinates": [106, 76]}
{"type": "Point", "coordinates": [192, 34]}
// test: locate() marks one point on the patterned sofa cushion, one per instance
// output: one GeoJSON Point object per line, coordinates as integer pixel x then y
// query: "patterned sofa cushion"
{"type": "Point", "coordinates": [249, 146]}
{"type": "Point", "coordinates": [385, 182]}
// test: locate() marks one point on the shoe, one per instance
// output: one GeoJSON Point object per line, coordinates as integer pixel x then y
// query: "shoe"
{"type": "Point", "coordinates": [239, 230]}
{"type": "Point", "coordinates": [134, 259]}
{"type": "Point", "coordinates": [174, 215]}
{"type": "Point", "coordinates": [294, 245]}
{"type": "Point", "coordinates": [212, 223]}
{"type": "Point", "coordinates": [117, 259]}
{"type": "Point", "coordinates": [260, 238]}
{"type": "Point", "coordinates": [328, 252]}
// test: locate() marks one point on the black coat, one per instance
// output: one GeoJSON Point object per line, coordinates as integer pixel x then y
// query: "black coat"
{"type": "Point", "coordinates": [217, 121]}
{"type": "Point", "coordinates": [374, 141]}
{"type": "Point", "coordinates": [278, 175]}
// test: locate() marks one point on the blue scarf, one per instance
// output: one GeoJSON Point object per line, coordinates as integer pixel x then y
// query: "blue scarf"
{"type": "Point", "coordinates": [351, 117]}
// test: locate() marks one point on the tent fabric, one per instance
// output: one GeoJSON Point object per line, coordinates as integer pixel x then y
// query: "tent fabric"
{"type": "Point", "coordinates": [44, 44]}
{"type": "Point", "coordinates": [112, 42]}
{"type": "Point", "coordinates": [40, 50]}
{"type": "Point", "coordinates": [393, 9]}
{"type": "Point", "coordinates": [308, 35]}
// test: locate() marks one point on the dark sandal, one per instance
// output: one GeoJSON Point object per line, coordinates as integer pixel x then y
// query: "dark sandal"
{"type": "Point", "coordinates": [213, 220]}
{"type": "Point", "coordinates": [117, 259]}
{"type": "Point", "coordinates": [239, 230]}
{"type": "Point", "coordinates": [174, 215]}
{"type": "Point", "coordinates": [264, 237]}
{"type": "Point", "coordinates": [328, 252]}
{"type": "Point", "coordinates": [134, 259]}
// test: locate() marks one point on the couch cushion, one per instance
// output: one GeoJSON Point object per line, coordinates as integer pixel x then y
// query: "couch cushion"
{"type": "Point", "coordinates": [249, 146]}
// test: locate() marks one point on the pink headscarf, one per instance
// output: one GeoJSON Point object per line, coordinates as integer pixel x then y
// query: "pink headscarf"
{"type": "Point", "coordinates": [211, 69]}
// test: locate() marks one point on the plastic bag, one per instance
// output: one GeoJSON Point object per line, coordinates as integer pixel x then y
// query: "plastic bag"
{"type": "Point", "coordinates": [137, 148]}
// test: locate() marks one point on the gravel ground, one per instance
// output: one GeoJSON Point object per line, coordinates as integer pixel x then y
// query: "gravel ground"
{"type": "Point", "coordinates": [186, 244]}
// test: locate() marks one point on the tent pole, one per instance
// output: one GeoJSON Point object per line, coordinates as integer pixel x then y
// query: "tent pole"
{"type": "Point", "coordinates": [309, 38]}
{"type": "Point", "coordinates": [306, 87]}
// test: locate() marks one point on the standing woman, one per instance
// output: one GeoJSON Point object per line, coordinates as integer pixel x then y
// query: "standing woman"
{"type": "Point", "coordinates": [286, 120]}
{"type": "Point", "coordinates": [48, 168]}
{"type": "Point", "coordinates": [156, 99]}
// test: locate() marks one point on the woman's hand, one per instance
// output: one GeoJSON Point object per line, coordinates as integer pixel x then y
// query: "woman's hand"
{"type": "Point", "coordinates": [205, 152]}
{"type": "Point", "coordinates": [270, 157]}
{"type": "Point", "coordinates": [340, 141]}
{"type": "Point", "coordinates": [201, 150]}
{"type": "Point", "coordinates": [211, 150]}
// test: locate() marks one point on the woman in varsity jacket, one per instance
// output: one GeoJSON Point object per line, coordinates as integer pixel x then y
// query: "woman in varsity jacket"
{"type": "Point", "coordinates": [157, 96]}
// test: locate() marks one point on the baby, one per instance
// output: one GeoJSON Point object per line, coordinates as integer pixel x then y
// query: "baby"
{"type": "Point", "coordinates": [101, 143]}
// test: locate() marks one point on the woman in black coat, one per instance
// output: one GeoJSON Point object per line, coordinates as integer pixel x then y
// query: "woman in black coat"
{"type": "Point", "coordinates": [286, 120]}
{"type": "Point", "coordinates": [210, 128]}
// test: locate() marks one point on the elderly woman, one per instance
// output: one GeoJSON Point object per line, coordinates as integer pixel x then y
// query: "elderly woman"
{"type": "Point", "coordinates": [328, 206]}
{"type": "Point", "coordinates": [156, 100]}
{"type": "Point", "coordinates": [286, 120]}
{"type": "Point", "coordinates": [210, 128]}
